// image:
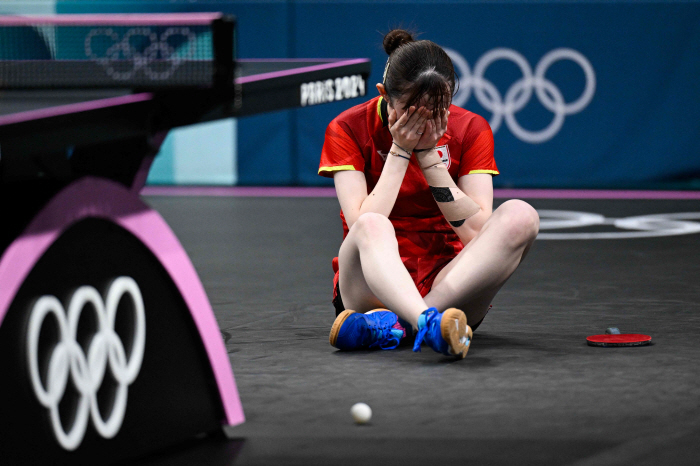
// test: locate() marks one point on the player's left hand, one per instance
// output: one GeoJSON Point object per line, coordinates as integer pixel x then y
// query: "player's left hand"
{"type": "Point", "coordinates": [434, 130]}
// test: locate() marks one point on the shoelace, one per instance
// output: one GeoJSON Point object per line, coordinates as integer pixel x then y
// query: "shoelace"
{"type": "Point", "coordinates": [429, 318]}
{"type": "Point", "coordinates": [383, 337]}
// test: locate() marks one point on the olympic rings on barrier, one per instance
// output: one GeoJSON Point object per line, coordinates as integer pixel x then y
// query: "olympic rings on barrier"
{"type": "Point", "coordinates": [122, 52]}
{"type": "Point", "coordinates": [520, 92]}
{"type": "Point", "coordinates": [87, 371]}
{"type": "Point", "coordinates": [646, 226]}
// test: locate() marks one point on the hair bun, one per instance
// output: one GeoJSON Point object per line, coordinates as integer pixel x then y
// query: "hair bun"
{"type": "Point", "coordinates": [395, 39]}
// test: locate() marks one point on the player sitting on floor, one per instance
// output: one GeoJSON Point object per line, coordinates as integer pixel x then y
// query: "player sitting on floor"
{"type": "Point", "coordinates": [413, 175]}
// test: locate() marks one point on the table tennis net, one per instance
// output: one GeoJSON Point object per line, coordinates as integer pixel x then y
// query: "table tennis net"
{"type": "Point", "coordinates": [91, 51]}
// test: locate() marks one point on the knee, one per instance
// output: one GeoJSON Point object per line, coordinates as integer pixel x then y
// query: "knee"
{"type": "Point", "coordinates": [519, 221]}
{"type": "Point", "coordinates": [373, 227]}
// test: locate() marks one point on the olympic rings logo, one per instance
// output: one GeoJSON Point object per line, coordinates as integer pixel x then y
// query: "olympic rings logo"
{"type": "Point", "coordinates": [87, 371]}
{"type": "Point", "coordinates": [520, 92]}
{"type": "Point", "coordinates": [122, 52]}
{"type": "Point", "coordinates": [642, 226]}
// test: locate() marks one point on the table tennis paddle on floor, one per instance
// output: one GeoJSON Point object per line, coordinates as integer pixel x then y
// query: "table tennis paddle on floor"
{"type": "Point", "coordinates": [613, 338]}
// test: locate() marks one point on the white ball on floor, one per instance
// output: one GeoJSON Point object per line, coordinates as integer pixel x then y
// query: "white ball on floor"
{"type": "Point", "coordinates": [361, 413]}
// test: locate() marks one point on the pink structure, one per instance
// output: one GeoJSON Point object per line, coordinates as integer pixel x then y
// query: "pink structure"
{"type": "Point", "coordinates": [100, 198]}
{"type": "Point", "coordinates": [277, 191]}
{"type": "Point", "coordinates": [134, 19]}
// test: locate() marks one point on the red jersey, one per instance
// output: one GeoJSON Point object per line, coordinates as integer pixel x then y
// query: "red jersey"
{"type": "Point", "coordinates": [359, 139]}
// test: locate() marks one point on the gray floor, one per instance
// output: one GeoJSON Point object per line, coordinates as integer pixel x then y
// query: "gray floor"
{"type": "Point", "coordinates": [529, 392]}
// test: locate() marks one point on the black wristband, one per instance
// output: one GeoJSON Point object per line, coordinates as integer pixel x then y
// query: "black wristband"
{"type": "Point", "coordinates": [399, 155]}
{"type": "Point", "coordinates": [406, 151]}
{"type": "Point", "coordinates": [423, 150]}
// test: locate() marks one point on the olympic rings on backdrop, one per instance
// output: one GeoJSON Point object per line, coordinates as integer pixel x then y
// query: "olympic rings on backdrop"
{"type": "Point", "coordinates": [158, 50]}
{"type": "Point", "coordinates": [646, 226]}
{"type": "Point", "coordinates": [520, 92]}
{"type": "Point", "coordinates": [87, 371]}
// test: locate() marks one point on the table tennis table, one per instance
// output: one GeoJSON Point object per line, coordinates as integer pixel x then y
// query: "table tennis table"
{"type": "Point", "coordinates": [108, 344]}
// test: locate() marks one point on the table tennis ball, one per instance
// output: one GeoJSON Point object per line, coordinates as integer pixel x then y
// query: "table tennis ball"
{"type": "Point", "coordinates": [361, 413]}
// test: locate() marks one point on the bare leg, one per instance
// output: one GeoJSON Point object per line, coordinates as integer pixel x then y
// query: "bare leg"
{"type": "Point", "coordinates": [472, 279]}
{"type": "Point", "coordinates": [372, 274]}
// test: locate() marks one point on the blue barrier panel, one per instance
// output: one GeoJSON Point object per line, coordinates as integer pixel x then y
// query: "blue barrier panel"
{"type": "Point", "coordinates": [578, 93]}
{"type": "Point", "coordinates": [610, 96]}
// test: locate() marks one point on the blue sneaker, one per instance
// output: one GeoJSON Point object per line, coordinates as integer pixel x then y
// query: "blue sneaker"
{"type": "Point", "coordinates": [378, 329]}
{"type": "Point", "coordinates": [446, 333]}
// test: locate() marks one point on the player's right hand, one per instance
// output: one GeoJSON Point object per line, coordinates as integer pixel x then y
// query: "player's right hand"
{"type": "Point", "coordinates": [435, 128]}
{"type": "Point", "coordinates": [408, 130]}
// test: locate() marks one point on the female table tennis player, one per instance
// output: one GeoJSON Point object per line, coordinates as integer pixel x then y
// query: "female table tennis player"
{"type": "Point", "coordinates": [413, 175]}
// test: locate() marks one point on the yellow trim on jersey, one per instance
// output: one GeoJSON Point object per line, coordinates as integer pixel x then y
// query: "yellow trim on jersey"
{"type": "Point", "coordinates": [338, 168]}
{"type": "Point", "coordinates": [379, 109]}
{"type": "Point", "coordinates": [491, 172]}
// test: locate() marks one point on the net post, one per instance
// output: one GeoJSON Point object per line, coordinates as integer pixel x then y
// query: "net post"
{"type": "Point", "coordinates": [223, 44]}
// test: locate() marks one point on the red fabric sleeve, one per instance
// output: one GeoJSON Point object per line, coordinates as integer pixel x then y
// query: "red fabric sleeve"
{"type": "Point", "coordinates": [477, 149]}
{"type": "Point", "coordinates": [340, 152]}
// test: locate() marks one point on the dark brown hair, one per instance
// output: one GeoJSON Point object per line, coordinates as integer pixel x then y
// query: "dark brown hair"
{"type": "Point", "coordinates": [418, 68]}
